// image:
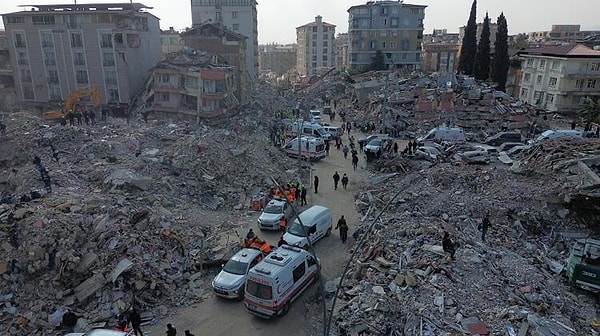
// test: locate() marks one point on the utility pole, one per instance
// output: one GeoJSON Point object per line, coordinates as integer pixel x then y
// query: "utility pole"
{"type": "Point", "coordinates": [300, 123]}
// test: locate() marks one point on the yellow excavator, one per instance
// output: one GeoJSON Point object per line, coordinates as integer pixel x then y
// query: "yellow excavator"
{"type": "Point", "coordinates": [72, 100]}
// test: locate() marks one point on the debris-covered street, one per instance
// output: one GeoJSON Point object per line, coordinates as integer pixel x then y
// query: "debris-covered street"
{"type": "Point", "coordinates": [145, 213]}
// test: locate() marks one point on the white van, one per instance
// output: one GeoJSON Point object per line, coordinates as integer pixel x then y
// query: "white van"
{"type": "Point", "coordinates": [443, 134]}
{"type": "Point", "coordinates": [309, 148]}
{"type": "Point", "coordinates": [316, 223]}
{"type": "Point", "coordinates": [315, 113]}
{"type": "Point", "coordinates": [552, 134]}
{"type": "Point", "coordinates": [308, 129]}
{"type": "Point", "coordinates": [275, 282]}
{"type": "Point", "coordinates": [336, 132]}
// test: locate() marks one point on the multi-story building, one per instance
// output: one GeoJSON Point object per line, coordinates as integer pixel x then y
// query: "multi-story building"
{"type": "Point", "coordinates": [229, 45]}
{"type": "Point", "coordinates": [276, 58]}
{"type": "Point", "coordinates": [558, 78]}
{"type": "Point", "coordinates": [193, 84]}
{"type": "Point", "coordinates": [56, 49]}
{"type": "Point", "coordinates": [561, 33]}
{"type": "Point", "coordinates": [440, 51]}
{"type": "Point", "coordinates": [239, 16]}
{"type": "Point", "coordinates": [315, 47]}
{"type": "Point", "coordinates": [341, 51]}
{"type": "Point", "coordinates": [170, 41]}
{"type": "Point", "coordinates": [7, 82]}
{"type": "Point", "coordinates": [394, 27]}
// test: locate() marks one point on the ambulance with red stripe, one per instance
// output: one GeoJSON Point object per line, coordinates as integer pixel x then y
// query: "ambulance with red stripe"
{"type": "Point", "coordinates": [275, 282]}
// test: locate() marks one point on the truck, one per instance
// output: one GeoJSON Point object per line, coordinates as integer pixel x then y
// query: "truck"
{"type": "Point", "coordinates": [583, 266]}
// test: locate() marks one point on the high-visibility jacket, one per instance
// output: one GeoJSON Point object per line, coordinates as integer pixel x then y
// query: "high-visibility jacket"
{"type": "Point", "coordinates": [265, 248]}
{"type": "Point", "coordinates": [290, 197]}
{"type": "Point", "coordinates": [283, 223]}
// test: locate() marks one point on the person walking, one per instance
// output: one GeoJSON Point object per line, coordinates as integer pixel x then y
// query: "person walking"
{"type": "Point", "coordinates": [303, 196]}
{"type": "Point", "coordinates": [484, 226]}
{"type": "Point", "coordinates": [345, 181]}
{"type": "Point", "coordinates": [395, 147]}
{"type": "Point", "coordinates": [316, 183]}
{"type": "Point", "coordinates": [136, 321]}
{"type": "Point", "coordinates": [448, 246]}
{"type": "Point", "coordinates": [345, 150]}
{"type": "Point", "coordinates": [354, 161]}
{"type": "Point", "coordinates": [343, 227]}
{"type": "Point", "coordinates": [336, 179]}
{"type": "Point", "coordinates": [171, 331]}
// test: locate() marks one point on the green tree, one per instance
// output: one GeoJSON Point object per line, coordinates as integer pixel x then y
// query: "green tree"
{"type": "Point", "coordinates": [520, 41]}
{"type": "Point", "coordinates": [378, 61]}
{"type": "Point", "coordinates": [469, 43]}
{"type": "Point", "coordinates": [590, 111]}
{"type": "Point", "coordinates": [501, 61]}
{"type": "Point", "coordinates": [481, 67]}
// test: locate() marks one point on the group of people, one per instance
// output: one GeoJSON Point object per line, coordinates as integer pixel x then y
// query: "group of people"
{"type": "Point", "coordinates": [291, 192]}
{"type": "Point", "coordinates": [411, 147]}
{"type": "Point", "coordinates": [253, 241]}
{"type": "Point", "coordinates": [88, 117]}
{"type": "Point", "coordinates": [336, 179]}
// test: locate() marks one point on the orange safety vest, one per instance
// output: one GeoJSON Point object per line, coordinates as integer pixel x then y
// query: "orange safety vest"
{"type": "Point", "coordinates": [265, 248]}
{"type": "Point", "coordinates": [290, 197]}
{"type": "Point", "coordinates": [282, 223]}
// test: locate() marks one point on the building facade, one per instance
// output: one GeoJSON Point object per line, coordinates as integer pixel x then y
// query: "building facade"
{"type": "Point", "coordinates": [493, 31]}
{"type": "Point", "coordinates": [193, 84]}
{"type": "Point", "coordinates": [559, 78]}
{"type": "Point", "coordinates": [341, 51]}
{"type": "Point", "coordinates": [56, 49]}
{"type": "Point", "coordinates": [170, 41]}
{"type": "Point", "coordinates": [562, 33]}
{"type": "Point", "coordinates": [440, 51]}
{"type": "Point", "coordinates": [393, 27]}
{"type": "Point", "coordinates": [316, 47]}
{"type": "Point", "coordinates": [277, 59]}
{"type": "Point", "coordinates": [239, 16]}
{"type": "Point", "coordinates": [229, 45]}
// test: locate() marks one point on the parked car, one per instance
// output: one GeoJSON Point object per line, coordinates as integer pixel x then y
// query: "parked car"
{"type": "Point", "coordinates": [368, 139]}
{"type": "Point", "coordinates": [508, 145]}
{"type": "Point", "coordinates": [229, 283]}
{"type": "Point", "coordinates": [440, 134]}
{"type": "Point", "coordinates": [502, 137]}
{"type": "Point", "coordinates": [273, 212]}
{"type": "Point", "coordinates": [376, 144]}
{"type": "Point", "coordinates": [316, 120]}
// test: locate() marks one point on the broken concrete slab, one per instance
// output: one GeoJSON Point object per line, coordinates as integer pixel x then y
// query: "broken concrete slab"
{"type": "Point", "coordinates": [89, 287]}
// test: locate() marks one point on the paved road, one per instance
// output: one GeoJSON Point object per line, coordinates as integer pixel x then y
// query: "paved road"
{"type": "Point", "coordinates": [216, 316]}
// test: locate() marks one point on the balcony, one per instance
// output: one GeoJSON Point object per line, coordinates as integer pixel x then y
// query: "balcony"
{"type": "Point", "coordinates": [215, 95]}
{"type": "Point", "coordinates": [581, 74]}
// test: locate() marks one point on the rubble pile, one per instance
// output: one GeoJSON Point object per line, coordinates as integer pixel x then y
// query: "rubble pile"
{"type": "Point", "coordinates": [131, 216]}
{"type": "Point", "coordinates": [403, 281]}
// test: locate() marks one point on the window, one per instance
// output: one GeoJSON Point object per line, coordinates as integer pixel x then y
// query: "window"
{"type": "Point", "coordinates": [108, 59]}
{"type": "Point", "coordinates": [311, 262]}
{"type": "Point", "coordinates": [81, 76]}
{"type": "Point", "coordinates": [595, 67]}
{"type": "Point", "coordinates": [299, 272]}
{"type": "Point", "coordinates": [405, 45]}
{"type": "Point", "coordinates": [314, 57]}
{"type": "Point", "coordinates": [552, 82]}
{"type": "Point", "coordinates": [219, 16]}
{"type": "Point", "coordinates": [163, 78]}
{"type": "Point", "coordinates": [537, 95]}
{"type": "Point", "coordinates": [542, 64]}
{"type": "Point", "coordinates": [15, 19]}
{"type": "Point", "coordinates": [113, 95]}
{"type": "Point", "coordinates": [373, 44]}
{"type": "Point", "coordinates": [314, 64]}
{"type": "Point", "coordinates": [236, 27]}
{"type": "Point", "coordinates": [591, 84]}
{"type": "Point", "coordinates": [28, 92]}
{"type": "Point", "coordinates": [78, 58]}
{"type": "Point", "coordinates": [579, 83]}
{"type": "Point", "coordinates": [527, 77]}
{"type": "Point", "coordinates": [524, 93]}
{"type": "Point", "coordinates": [259, 290]}
{"type": "Point", "coordinates": [47, 40]}
{"type": "Point", "coordinates": [110, 76]}
{"type": "Point", "coordinates": [26, 75]}
{"type": "Point", "coordinates": [23, 58]}
{"type": "Point", "coordinates": [49, 58]}
{"type": "Point", "coordinates": [162, 97]}
{"type": "Point", "coordinates": [325, 36]}
{"type": "Point", "coordinates": [555, 65]}
{"type": "Point", "coordinates": [393, 45]}
{"type": "Point", "coordinates": [325, 51]}
{"type": "Point", "coordinates": [234, 15]}
{"type": "Point", "coordinates": [19, 40]}
{"type": "Point", "coordinates": [530, 62]}
{"type": "Point", "coordinates": [76, 40]}
{"type": "Point", "coordinates": [539, 79]}
{"type": "Point", "coordinates": [383, 45]}
{"type": "Point", "coordinates": [54, 92]}
{"type": "Point", "coordinates": [549, 98]}
{"type": "Point", "coordinates": [325, 44]}
{"type": "Point", "coordinates": [106, 41]}
{"type": "Point", "coordinates": [314, 29]}
{"type": "Point", "coordinates": [394, 23]}
{"type": "Point", "coordinates": [43, 19]}
{"type": "Point", "coordinates": [325, 58]}
{"type": "Point", "coordinates": [52, 76]}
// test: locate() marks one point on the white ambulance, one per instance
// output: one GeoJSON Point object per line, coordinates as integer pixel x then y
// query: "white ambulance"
{"type": "Point", "coordinates": [275, 282]}
{"type": "Point", "coordinates": [309, 148]}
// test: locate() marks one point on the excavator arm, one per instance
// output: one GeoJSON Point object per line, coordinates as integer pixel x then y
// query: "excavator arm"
{"type": "Point", "coordinates": [72, 99]}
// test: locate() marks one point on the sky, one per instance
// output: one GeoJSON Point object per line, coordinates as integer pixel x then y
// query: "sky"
{"type": "Point", "coordinates": [277, 19]}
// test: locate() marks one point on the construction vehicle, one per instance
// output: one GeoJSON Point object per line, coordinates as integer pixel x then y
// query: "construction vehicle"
{"type": "Point", "coordinates": [583, 267]}
{"type": "Point", "coordinates": [71, 102]}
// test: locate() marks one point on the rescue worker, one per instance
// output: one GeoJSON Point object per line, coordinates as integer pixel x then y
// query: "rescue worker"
{"type": "Point", "coordinates": [136, 321]}
{"type": "Point", "coordinates": [303, 196]}
{"type": "Point", "coordinates": [343, 227]}
{"type": "Point", "coordinates": [265, 247]}
{"type": "Point", "coordinates": [171, 331]}
{"type": "Point", "coordinates": [336, 180]}
{"type": "Point", "coordinates": [250, 234]}
{"type": "Point", "coordinates": [448, 246]}
{"type": "Point", "coordinates": [283, 223]}
{"type": "Point", "coordinates": [121, 323]}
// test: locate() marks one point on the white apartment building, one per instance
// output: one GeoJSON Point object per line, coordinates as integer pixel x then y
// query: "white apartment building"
{"type": "Point", "coordinates": [559, 78]}
{"type": "Point", "coordinates": [239, 16]}
{"type": "Point", "coordinates": [316, 47]}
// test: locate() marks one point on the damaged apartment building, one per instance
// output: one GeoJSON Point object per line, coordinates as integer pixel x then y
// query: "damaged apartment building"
{"type": "Point", "coordinates": [190, 84]}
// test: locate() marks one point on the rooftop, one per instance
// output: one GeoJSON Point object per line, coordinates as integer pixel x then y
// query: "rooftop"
{"type": "Point", "coordinates": [573, 50]}
{"type": "Point", "coordinates": [85, 7]}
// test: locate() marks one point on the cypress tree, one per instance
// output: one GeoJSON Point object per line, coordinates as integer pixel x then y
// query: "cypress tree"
{"type": "Point", "coordinates": [469, 43]}
{"type": "Point", "coordinates": [501, 60]}
{"type": "Point", "coordinates": [481, 67]}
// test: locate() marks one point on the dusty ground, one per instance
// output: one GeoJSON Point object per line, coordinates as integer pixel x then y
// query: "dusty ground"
{"type": "Point", "coordinates": [223, 317]}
